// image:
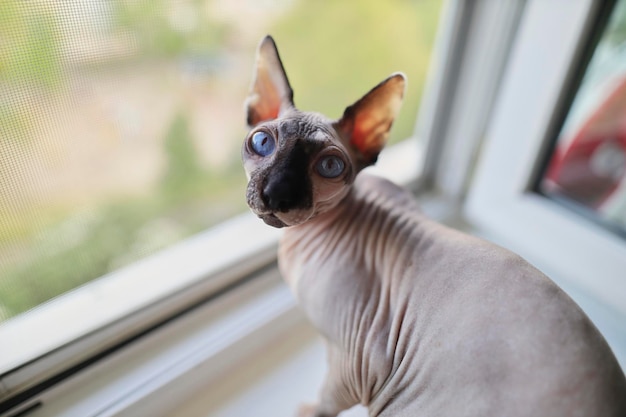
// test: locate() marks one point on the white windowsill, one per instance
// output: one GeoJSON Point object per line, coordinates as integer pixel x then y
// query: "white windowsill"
{"type": "Point", "coordinates": [128, 291]}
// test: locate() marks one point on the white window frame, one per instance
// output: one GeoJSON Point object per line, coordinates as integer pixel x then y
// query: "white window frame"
{"type": "Point", "coordinates": [547, 52]}
{"type": "Point", "coordinates": [106, 312]}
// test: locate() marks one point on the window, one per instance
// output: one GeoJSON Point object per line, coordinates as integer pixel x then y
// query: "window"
{"type": "Point", "coordinates": [559, 44]}
{"type": "Point", "coordinates": [120, 128]}
{"type": "Point", "coordinates": [586, 167]}
{"type": "Point", "coordinates": [121, 121]}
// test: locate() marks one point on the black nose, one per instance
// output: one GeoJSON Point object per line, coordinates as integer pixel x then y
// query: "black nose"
{"type": "Point", "coordinates": [280, 195]}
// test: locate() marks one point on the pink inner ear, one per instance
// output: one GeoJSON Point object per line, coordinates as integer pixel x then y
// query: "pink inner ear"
{"type": "Point", "coordinates": [368, 121]}
{"type": "Point", "coordinates": [369, 133]}
{"type": "Point", "coordinates": [270, 91]}
{"type": "Point", "coordinates": [273, 113]}
{"type": "Point", "coordinates": [265, 104]}
{"type": "Point", "coordinates": [269, 109]}
{"type": "Point", "coordinates": [359, 139]}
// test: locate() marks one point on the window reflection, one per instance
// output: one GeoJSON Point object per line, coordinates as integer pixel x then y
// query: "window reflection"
{"type": "Point", "coordinates": [588, 164]}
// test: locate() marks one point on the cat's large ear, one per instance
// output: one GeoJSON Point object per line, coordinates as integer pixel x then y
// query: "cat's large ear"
{"type": "Point", "coordinates": [366, 123]}
{"type": "Point", "coordinates": [270, 92]}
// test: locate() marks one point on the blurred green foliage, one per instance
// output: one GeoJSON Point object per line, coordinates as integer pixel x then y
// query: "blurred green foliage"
{"type": "Point", "coordinates": [29, 56]}
{"type": "Point", "coordinates": [183, 170]}
{"type": "Point", "coordinates": [334, 52]}
{"type": "Point", "coordinates": [163, 28]}
{"type": "Point", "coordinates": [29, 44]}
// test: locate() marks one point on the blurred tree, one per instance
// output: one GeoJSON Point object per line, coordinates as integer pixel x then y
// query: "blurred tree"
{"type": "Point", "coordinates": [183, 168]}
{"type": "Point", "coordinates": [30, 43]}
{"type": "Point", "coordinates": [164, 28]}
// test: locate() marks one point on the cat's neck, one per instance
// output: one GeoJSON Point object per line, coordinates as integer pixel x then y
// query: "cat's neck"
{"type": "Point", "coordinates": [361, 226]}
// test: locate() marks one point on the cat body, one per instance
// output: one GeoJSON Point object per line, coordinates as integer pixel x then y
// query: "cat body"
{"type": "Point", "coordinates": [419, 319]}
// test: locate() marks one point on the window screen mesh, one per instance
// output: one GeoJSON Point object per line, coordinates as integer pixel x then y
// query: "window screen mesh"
{"type": "Point", "coordinates": [121, 120]}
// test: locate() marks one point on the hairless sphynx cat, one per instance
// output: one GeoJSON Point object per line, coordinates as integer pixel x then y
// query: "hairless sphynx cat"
{"type": "Point", "coordinates": [419, 319]}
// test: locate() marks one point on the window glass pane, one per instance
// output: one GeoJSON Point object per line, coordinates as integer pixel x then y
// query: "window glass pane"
{"type": "Point", "coordinates": [587, 167]}
{"type": "Point", "coordinates": [121, 120]}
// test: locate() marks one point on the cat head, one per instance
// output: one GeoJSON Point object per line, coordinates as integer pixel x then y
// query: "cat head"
{"type": "Point", "coordinates": [301, 164]}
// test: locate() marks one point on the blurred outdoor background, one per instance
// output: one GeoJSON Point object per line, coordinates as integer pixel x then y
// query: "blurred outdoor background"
{"type": "Point", "coordinates": [121, 121]}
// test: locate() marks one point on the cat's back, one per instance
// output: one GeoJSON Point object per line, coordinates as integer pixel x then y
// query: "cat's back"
{"type": "Point", "coordinates": [490, 325]}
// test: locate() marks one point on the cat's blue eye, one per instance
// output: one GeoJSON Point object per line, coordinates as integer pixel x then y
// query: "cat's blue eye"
{"type": "Point", "coordinates": [330, 166]}
{"type": "Point", "coordinates": [262, 143]}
